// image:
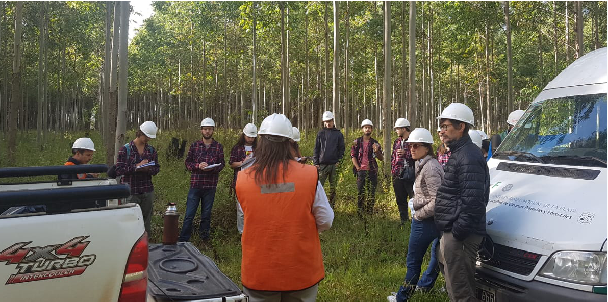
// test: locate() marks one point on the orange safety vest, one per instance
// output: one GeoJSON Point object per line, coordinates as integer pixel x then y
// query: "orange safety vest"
{"type": "Point", "coordinates": [280, 241]}
{"type": "Point", "coordinates": [81, 175]}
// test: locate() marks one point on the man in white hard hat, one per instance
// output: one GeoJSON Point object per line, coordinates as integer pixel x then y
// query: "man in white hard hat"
{"type": "Point", "coordinates": [243, 150]}
{"type": "Point", "coordinates": [512, 120]}
{"type": "Point", "coordinates": [205, 160]}
{"type": "Point", "coordinates": [363, 153]}
{"type": "Point", "coordinates": [402, 168]}
{"type": "Point", "coordinates": [460, 206]}
{"type": "Point", "coordinates": [137, 162]}
{"type": "Point", "coordinates": [82, 153]}
{"type": "Point", "coordinates": [328, 153]}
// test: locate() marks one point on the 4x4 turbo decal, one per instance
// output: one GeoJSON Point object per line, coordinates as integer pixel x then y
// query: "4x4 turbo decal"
{"type": "Point", "coordinates": [47, 262]}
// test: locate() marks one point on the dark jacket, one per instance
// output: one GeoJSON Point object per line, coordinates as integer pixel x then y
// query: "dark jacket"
{"type": "Point", "coordinates": [462, 198]}
{"type": "Point", "coordinates": [329, 147]}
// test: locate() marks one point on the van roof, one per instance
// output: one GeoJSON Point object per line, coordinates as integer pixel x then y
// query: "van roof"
{"type": "Point", "coordinates": [587, 75]}
{"type": "Point", "coordinates": [590, 69]}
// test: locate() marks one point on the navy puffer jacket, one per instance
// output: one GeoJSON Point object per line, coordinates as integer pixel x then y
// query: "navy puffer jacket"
{"type": "Point", "coordinates": [462, 198]}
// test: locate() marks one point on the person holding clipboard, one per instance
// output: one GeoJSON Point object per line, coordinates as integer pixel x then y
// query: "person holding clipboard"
{"type": "Point", "coordinates": [205, 160]}
{"type": "Point", "coordinates": [137, 162]}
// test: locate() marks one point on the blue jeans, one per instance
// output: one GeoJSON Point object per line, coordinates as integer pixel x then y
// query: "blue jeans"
{"type": "Point", "coordinates": [423, 233]}
{"type": "Point", "coordinates": [427, 281]}
{"type": "Point", "coordinates": [206, 198]}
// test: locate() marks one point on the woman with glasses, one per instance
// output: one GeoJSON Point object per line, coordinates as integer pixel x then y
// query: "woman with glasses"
{"type": "Point", "coordinates": [429, 174]}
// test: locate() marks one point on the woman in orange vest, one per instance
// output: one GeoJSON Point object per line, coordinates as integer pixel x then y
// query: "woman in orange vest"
{"type": "Point", "coordinates": [285, 208]}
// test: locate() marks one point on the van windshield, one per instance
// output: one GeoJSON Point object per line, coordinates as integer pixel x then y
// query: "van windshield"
{"type": "Point", "coordinates": [562, 131]}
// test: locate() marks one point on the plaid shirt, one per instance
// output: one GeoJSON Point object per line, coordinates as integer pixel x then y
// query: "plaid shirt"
{"type": "Point", "coordinates": [443, 158]}
{"type": "Point", "coordinates": [236, 154]}
{"type": "Point", "coordinates": [140, 181]}
{"type": "Point", "coordinates": [356, 151]}
{"type": "Point", "coordinates": [397, 163]}
{"type": "Point", "coordinates": [198, 153]}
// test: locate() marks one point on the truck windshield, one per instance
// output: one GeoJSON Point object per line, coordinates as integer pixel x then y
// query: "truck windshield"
{"type": "Point", "coordinates": [562, 131]}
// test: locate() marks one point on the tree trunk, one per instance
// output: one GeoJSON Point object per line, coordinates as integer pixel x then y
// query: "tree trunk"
{"type": "Point", "coordinates": [388, 59]}
{"type": "Point", "coordinates": [412, 103]}
{"type": "Point", "coordinates": [112, 103]}
{"type": "Point", "coordinates": [254, 93]}
{"type": "Point", "coordinates": [346, 103]}
{"type": "Point", "coordinates": [283, 61]}
{"type": "Point", "coordinates": [404, 108]}
{"type": "Point", "coordinates": [4, 93]}
{"type": "Point", "coordinates": [509, 59]}
{"type": "Point", "coordinates": [325, 97]}
{"type": "Point", "coordinates": [555, 49]}
{"type": "Point", "coordinates": [580, 45]}
{"type": "Point", "coordinates": [336, 75]}
{"type": "Point", "coordinates": [105, 90]}
{"type": "Point", "coordinates": [123, 73]}
{"type": "Point", "coordinates": [487, 71]}
{"type": "Point", "coordinates": [567, 35]}
{"type": "Point", "coordinates": [16, 89]}
{"type": "Point", "coordinates": [41, 71]}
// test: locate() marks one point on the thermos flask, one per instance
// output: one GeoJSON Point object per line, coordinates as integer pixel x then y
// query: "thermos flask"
{"type": "Point", "coordinates": [170, 224]}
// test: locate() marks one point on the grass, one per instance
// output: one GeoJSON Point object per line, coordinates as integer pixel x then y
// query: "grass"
{"type": "Point", "coordinates": [364, 258]}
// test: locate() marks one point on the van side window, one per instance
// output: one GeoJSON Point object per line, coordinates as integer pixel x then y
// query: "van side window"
{"type": "Point", "coordinates": [563, 131]}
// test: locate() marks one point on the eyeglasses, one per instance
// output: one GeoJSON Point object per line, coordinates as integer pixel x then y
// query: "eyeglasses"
{"type": "Point", "coordinates": [444, 127]}
{"type": "Point", "coordinates": [415, 146]}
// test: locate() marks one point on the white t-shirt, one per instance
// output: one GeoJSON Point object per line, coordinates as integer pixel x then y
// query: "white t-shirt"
{"type": "Point", "coordinates": [248, 151]}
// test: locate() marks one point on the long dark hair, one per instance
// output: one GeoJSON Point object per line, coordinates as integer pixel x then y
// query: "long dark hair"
{"type": "Point", "coordinates": [271, 152]}
{"type": "Point", "coordinates": [241, 141]}
{"type": "Point", "coordinates": [431, 152]}
{"type": "Point", "coordinates": [296, 149]}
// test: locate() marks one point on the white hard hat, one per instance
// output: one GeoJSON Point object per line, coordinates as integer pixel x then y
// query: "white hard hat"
{"type": "Point", "coordinates": [250, 130]}
{"type": "Point", "coordinates": [276, 124]}
{"type": "Point", "coordinates": [420, 135]}
{"type": "Point", "coordinates": [514, 117]}
{"type": "Point", "coordinates": [475, 137]}
{"type": "Point", "coordinates": [459, 112]}
{"type": "Point", "coordinates": [207, 122]}
{"type": "Point", "coordinates": [483, 135]}
{"type": "Point", "coordinates": [366, 122]}
{"type": "Point", "coordinates": [402, 123]}
{"type": "Point", "coordinates": [84, 143]}
{"type": "Point", "coordinates": [149, 129]}
{"type": "Point", "coordinates": [296, 134]}
{"type": "Point", "coordinates": [328, 116]}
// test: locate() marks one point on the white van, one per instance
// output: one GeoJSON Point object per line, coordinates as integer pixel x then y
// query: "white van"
{"type": "Point", "coordinates": [547, 208]}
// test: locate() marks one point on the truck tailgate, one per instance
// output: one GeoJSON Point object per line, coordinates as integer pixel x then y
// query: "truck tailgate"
{"type": "Point", "coordinates": [77, 256]}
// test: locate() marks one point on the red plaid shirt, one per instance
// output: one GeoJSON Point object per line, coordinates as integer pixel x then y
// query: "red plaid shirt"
{"type": "Point", "coordinates": [236, 154]}
{"type": "Point", "coordinates": [443, 158]}
{"type": "Point", "coordinates": [198, 153]}
{"type": "Point", "coordinates": [356, 151]}
{"type": "Point", "coordinates": [139, 180]}
{"type": "Point", "coordinates": [397, 162]}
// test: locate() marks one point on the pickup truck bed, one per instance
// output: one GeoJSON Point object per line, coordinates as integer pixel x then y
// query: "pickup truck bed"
{"type": "Point", "coordinates": [78, 242]}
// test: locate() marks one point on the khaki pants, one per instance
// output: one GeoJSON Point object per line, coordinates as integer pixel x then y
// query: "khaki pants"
{"type": "Point", "coordinates": [457, 264]}
{"type": "Point", "coordinates": [305, 295]}
{"type": "Point", "coordinates": [329, 171]}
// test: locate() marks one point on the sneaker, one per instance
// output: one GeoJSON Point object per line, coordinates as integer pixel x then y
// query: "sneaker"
{"type": "Point", "coordinates": [392, 298]}
{"type": "Point", "coordinates": [423, 289]}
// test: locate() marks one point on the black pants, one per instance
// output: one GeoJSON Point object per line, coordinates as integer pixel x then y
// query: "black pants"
{"type": "Point", "coordinates": [404, 190]}
{"type": "Point", "coordinates": [366, 186]}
